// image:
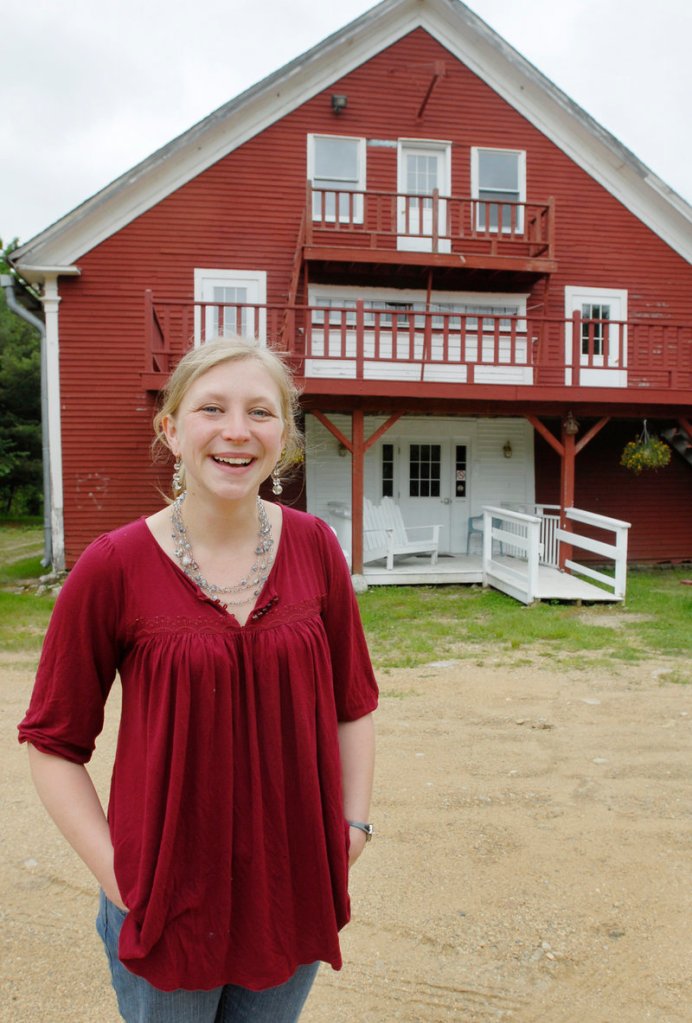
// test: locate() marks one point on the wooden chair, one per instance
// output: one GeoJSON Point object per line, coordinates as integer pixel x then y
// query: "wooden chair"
{"type": "Point", "coordinates": [386, 536]}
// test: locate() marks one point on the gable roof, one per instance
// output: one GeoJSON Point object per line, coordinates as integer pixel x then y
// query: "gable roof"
{"type": "Point", "coordinates": [458, 29]}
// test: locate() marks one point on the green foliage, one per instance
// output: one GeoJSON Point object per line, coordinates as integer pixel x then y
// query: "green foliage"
{"type": "Point", "coordinates": [20, 415]}
{"type": "Point", "coordinates": [645, 452]}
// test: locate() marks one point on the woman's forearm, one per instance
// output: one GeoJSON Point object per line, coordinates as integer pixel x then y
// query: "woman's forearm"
{"type": "Point", "coordinates": [357, 750]}
{"type": "Point", "coordinates": [68, 794]}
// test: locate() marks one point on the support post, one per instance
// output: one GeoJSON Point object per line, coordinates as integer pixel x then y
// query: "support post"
{"type": "Point", "coordinates": [569, 431]}
{"type": "Point", "coordinates": [576, 348]}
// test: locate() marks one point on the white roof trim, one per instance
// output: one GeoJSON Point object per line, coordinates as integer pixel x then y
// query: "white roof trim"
{"type": "Point", "coordinates": [37, 274]}
{"type": "Point", "coordinates": [465, 35]}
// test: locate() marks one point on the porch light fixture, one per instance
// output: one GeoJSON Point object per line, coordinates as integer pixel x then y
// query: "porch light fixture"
{"type": "Point", "coordinates": [570, 424]}
{"type": "Point", "coordinates": [342, 450]}
{"type": "Point", "coordinates": [339, 103]}
{"type": "Point", "coordinates": [507, 449]}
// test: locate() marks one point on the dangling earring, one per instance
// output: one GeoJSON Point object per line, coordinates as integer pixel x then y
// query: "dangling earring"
{"type": "Point", "coordinates": [177, 481]}
{"type": "Point", "coordinates": [276, 481]}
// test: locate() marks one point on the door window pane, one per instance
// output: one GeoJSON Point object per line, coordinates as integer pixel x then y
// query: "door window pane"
{"type": "Point", "coordinates": [421, 174]}
{"type": "Point", "coordinates": [460, 471]}
{"type": "Point", "coordinates": [424, 470]}
{"type": "Point", "coordinates": [388, 470]}
{"type": "Point", "coordinates": [594, 332]}
{"type": "Point", "coordinates": [226, 318]}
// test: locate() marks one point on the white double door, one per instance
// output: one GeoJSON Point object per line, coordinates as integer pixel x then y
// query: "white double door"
{"type": "Point", "coordinates": [432, 487]}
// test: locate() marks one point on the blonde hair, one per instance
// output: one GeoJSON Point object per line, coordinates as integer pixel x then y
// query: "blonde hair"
{"type": "Point", "coordinates": [233, 349]}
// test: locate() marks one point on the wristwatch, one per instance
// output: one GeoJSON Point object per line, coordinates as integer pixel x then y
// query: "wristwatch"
{"type": "Point", "coordinates": [362, 826]}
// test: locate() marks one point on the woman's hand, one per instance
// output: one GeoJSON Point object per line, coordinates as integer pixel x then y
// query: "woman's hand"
{"type": "Point", "coordinates": [357, 749]}
{"type": "Point", "coordinates": [357, 840]}
{"type": "Point", "coordinates": [112, 893]}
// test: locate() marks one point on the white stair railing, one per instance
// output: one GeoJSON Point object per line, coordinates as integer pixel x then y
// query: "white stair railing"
{"type": "Point", "coordinates": [615, 552]}
{"type": "Point", "coordinates": [549, 526]}
{"type": "Point", "coordinates": [517, 535]}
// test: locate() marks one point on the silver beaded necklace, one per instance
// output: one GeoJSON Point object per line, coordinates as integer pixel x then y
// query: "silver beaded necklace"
{"type": "Point", "coordinates": [254, 579]}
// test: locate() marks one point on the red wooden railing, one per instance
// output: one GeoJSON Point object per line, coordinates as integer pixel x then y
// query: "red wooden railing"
{"type": "Point", "coordinates": [362, 342]}
{"type": "Point", "coordinates": [434, 223]}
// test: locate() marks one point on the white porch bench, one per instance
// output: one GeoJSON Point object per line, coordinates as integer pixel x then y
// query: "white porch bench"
{"type": "Point", "coordinates": [386, 536]}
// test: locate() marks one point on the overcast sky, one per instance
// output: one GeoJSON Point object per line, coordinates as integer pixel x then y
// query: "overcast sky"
{"type": "Point", "coordinates": [90, 88]}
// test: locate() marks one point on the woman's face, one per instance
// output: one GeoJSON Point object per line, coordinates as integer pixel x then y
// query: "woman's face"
{"type": "Point", "coordinates": [228, 430]}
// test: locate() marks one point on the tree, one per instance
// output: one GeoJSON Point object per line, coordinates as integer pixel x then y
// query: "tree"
{"type": "Point", "coordinates": [21, 481]}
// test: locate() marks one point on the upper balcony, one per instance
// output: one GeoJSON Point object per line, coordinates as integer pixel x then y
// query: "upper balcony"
{"type": "Point", "coordinates": [418, 353]}
{"type": "Point", "coordinates": [431, 231]}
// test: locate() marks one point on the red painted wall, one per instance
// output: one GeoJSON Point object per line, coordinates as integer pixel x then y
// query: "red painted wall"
{"type": "Point", "coordinates": [244, 213]}
{"type": "Point", "coordinates": [657, 504]}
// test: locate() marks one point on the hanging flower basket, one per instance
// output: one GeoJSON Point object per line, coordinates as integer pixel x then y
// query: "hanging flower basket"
{"type": "Point", "coordinates": [645, 452]}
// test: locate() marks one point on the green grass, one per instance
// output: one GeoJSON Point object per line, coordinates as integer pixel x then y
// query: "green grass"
{"type": "Point", "coordinates": [26, 569]}
{"type": "Point", "coordinates": [408, 626]}
{"type": "Point", "coordinates": [21, 547]}
{"type": "Point", "coordinates": [23, 621]}
{"type": "Point", "coordinates": [23, 616]}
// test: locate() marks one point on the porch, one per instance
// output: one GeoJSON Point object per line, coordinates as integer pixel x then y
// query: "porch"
{"type": "Point", "coordinates": [467, 570]}
{"type": "Point", "coordinates": [528, 557]}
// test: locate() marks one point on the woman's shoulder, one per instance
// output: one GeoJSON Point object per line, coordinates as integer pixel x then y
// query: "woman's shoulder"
{"type": "Point", "coordinates": [305, 525]}
{"type": "Point", "coordinates": [120, 543]}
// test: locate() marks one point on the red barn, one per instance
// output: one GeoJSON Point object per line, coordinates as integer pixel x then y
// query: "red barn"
{"type": "Point", "coordinates": [484, 294]}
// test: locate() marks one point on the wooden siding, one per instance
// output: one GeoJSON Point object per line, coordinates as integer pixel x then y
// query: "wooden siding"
{"type": "Point", "coordinates": [658, 504]}
{"type": "Point", "coordinates": [245, 213]}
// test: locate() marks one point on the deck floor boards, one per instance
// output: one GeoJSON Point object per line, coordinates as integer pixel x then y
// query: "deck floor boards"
{"type": "Point", "coordinates": [468, 570]}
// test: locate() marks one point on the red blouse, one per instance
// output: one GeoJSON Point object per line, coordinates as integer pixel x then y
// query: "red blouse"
{"type": "Point", "coordinates": [226, 805]}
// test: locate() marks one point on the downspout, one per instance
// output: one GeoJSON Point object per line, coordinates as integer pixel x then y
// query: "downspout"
{"type": "Point", "coordinates": [7, 284]}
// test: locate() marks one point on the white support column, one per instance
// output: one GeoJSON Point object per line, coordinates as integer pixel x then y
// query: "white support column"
{"type": "Point", "coordinates": [533, 537]}
{"type": "Point", "coordinates": [51, 301]}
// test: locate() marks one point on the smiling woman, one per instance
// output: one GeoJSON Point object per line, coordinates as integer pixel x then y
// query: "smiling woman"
{"type": "Point", "coordinates": [241, 787]}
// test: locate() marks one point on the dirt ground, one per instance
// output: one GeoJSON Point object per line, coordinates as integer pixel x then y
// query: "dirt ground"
{"type": "Point", "coordinates": [532, 858]}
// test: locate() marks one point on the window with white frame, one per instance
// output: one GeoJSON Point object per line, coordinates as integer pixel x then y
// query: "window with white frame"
{"type": "Point", "coordinates": [336, 167]}
{"type": "Point", "coordinates": [230, 302]}
{"type": "Point", "coordinates": [498, 182]}
{"type": "Point", "coordinates": [397, 312]}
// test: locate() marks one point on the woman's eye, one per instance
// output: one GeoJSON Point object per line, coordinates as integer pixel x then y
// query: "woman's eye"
{"type": "Point", "coordinates": [260, 413]}
{"type": "Point", "coordinates": [210, 408]}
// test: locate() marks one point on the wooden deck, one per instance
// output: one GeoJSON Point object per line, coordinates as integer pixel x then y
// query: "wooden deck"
{"type": "Point", "coordinates": [468, 570]}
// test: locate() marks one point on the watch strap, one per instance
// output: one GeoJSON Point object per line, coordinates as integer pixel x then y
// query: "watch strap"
{"type": "Point", "coordinates": [363, 826]}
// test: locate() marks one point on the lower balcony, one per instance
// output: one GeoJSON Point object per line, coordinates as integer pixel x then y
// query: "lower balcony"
{"type": "Point", "coordinates": [380, 351]}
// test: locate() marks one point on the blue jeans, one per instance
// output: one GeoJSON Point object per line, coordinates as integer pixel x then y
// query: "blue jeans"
{"type": "Point", "coordinates": [140, 1002]}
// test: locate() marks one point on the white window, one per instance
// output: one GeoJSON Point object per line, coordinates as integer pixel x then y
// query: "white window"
{"type": "Point", "coordinates": [336, 166]}
{"type": "Point", "coordinates": [232, 303]}
{"type": "Point", "coordinates": [498, 181]}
